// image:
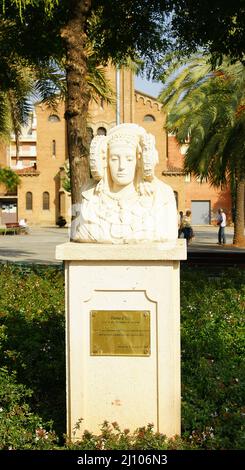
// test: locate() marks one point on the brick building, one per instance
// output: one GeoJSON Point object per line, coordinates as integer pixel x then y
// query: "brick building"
{"type": "Point", "coordinates": [200, 197]}
{"type": "Point", "coordinates": [43, 152]}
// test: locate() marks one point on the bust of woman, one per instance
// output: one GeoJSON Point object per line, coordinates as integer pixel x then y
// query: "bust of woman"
{"type": "Point", "coordinates": [125, 203]}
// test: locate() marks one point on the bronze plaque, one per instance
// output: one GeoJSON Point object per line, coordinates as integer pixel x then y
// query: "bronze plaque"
{"type": "Point", "coordinates": [120, 333]}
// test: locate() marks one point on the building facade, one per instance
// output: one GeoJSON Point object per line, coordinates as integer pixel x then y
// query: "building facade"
{"type": "Point", "coordinates": [41, 198]}
{"type": "Point", "coordinates": [198, 196]}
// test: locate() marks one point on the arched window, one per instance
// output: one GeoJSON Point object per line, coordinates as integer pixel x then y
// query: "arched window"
{"type": "Point", "coordinates": [53, 118]}
{"type": "Point", "coordinates": [29, 201]}
{"type": "Point", "coordinates": [149, 118]}
{"type": "Point", "coordinates": [101, 131]}
{"type": "Point", "coordinates": [46, 201]}
{"type": "Point", "coordinates": [176, 198]}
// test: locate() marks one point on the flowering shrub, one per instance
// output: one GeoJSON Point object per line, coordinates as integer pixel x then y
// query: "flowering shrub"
{"type": "Point", "coordinates": [112, 437]}
{"type": "Point", "coordinates": [32, 345]}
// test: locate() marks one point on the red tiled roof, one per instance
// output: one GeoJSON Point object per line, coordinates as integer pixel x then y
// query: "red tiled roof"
{"type": "Point", "coordinates": [173, 170]}
{"type": "Point", "coordinates": [29, 171]}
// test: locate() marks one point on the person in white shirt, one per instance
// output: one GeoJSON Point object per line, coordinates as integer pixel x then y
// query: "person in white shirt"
{"type": "Point", "coordinates": [23, 226]}
{"type": "Point", "coordinates": [187, 228]}
{"type": "Point", "coordinates": [221, 221]}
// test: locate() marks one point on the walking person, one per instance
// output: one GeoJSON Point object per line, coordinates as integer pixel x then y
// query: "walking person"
{"type": "Point", "coordinates": [180, 223]}
{"type": "Point", "coordinates": [221, 222]}
{"type": "Point", "coordinates": [187, 228]}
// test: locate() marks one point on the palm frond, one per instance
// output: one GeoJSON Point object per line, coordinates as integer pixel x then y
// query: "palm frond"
{"type": "Point", "coordinates": [99, 84]}
{"type": "Point", "coordinates": [207, 108]}
{"type": "Point", "coordinates": [49, 85]}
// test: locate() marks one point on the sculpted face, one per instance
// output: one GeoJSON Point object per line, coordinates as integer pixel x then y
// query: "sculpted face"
{"type": "Point", "coordinates": [122, 164]}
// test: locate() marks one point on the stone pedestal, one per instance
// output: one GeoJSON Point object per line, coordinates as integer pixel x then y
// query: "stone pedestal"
{"type": "Point", "coordinates": [139, 383]}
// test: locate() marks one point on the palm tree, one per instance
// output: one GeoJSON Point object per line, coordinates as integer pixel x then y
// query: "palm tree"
{"type": "Point", "coordinates": [206, 109]}
{"type": "Point", "coordinates": [46, 83]}
{"type": "Point", "coordinates": [15, 85]}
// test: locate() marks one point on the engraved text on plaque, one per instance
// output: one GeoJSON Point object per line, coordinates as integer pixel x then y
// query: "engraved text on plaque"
{"type": "Point", "coordinates": [120, 333]}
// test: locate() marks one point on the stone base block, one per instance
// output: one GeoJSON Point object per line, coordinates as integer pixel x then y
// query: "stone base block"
{"type": "Point", "coordinates": [121, 367]}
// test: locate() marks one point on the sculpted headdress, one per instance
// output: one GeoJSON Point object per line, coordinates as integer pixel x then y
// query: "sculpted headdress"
{"type": "Point", "coordinates": [124, 134]}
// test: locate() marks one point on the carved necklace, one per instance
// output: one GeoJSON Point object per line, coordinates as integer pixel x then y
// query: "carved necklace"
{"type": "Point", "coordinates": [122, 207]}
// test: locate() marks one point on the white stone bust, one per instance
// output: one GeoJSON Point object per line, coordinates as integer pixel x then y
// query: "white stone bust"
{"type": "Point", "coordinates": [125, 202]}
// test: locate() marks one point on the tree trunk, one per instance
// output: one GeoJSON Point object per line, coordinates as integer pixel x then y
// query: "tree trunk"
{"type": "Point", "coordinates": [16, 121]}
{"type": "Point", "coordinates": [17, 146]}
{"type": "Point", "coordinates": [239, 238]}
{"type": "Point", "coordinates": [78, 97]}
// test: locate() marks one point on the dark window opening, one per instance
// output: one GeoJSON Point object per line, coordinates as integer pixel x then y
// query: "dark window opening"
{"type": "Point", "coordinates": [101, 131]}
{"type": "Point", "coordinates": [54, 148]}
{"type": "Point", "coordinates": [53, 118]}
{"type": "Point", "coordinates": [149, 118]}
{"type": "Point", "coordinates": [29, 201]}
{"type": "Point", "coordinates": [45, 201]}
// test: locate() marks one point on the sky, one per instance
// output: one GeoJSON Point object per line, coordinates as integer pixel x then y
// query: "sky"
{"type": "Point", "coordinates": [149, 87]}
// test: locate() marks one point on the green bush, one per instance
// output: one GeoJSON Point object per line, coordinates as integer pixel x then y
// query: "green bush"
{"type": "Point", "coordinates": [32, 345]}
{"type": "Point", "coordinates": [32, 336]}
{"type": "Point", "coordinates": [19, 427]}
{"type": "Point", "coordinates": [213, 358]}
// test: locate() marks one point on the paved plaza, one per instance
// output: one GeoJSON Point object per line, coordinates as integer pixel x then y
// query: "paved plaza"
{"type": "Point", "coordinates": [36, 247]}
{"type": "Point", "coordinates": [39, 245]}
